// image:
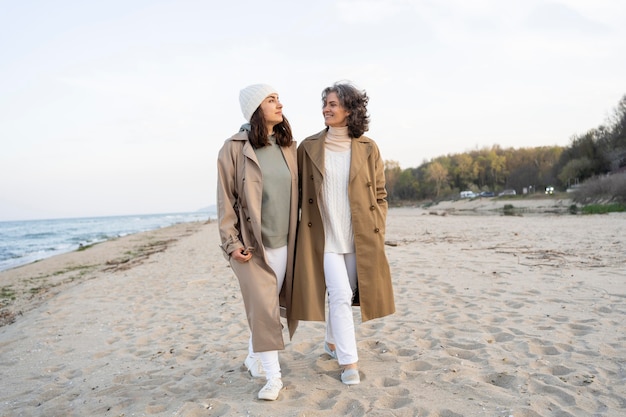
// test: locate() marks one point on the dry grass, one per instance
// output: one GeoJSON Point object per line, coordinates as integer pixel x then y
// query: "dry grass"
{"type": "Point", "coordinates": [606, 189]}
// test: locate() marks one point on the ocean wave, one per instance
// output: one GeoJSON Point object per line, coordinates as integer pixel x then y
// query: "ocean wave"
{"type": "Point", "coordinates": [24, 242]}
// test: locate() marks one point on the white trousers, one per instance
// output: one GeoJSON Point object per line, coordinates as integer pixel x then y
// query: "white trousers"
{"type": "Point", "coordinates": [341, 281]}
{"type": "Point", "coordinates": [277, 260]}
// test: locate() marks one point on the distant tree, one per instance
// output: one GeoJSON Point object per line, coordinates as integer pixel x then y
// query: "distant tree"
{"type": "Point", "coordinates": [392, 173]}
{"type": "Point", "coordinates": [437, 174]}
{"type": "Point", "coordinates": [481, 170]}
{"type": "Point", "coordinates": [578, 169]}
{"type": "Point", "coordinates": [613, 143]}
{"type": "Point", "coordinates": [587, 151]}
{"type": "Point", "coordinates": [547, 157]}
{"type": "Point", "coordinates": [497, 167]}
{"type": "Point", "coordinates": [462, 171]}
{"type": "Point", "coordinates": [618, 124]}
{"type": "Point", "coordinates": [532, 168]}
{"type": "Point", "coordinates": [407, 186]}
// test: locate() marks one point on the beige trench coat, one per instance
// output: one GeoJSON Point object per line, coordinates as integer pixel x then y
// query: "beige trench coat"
{"type": "Point", "coordinates": [239, 194]}
{"type": "Point", "coordinates": [368, 204]}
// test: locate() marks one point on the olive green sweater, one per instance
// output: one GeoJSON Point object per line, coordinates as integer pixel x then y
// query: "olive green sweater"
{"type": "Point", "coordinates": [276, 195]}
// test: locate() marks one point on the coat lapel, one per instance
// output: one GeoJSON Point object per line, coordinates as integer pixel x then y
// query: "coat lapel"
{"type": "Point", "coordinates": [315, 150]}
{"type": "Point", "coordinates": [248, 152]}
{"type": "Point", "coordinates": [361, 150]}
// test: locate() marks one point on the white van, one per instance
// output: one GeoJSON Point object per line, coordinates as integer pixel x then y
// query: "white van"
{"type": "Point", "coordinates": [468, 194]}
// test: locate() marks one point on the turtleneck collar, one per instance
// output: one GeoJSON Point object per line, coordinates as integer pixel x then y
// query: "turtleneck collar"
{"type": "Point", "coordinates": [338, 139]}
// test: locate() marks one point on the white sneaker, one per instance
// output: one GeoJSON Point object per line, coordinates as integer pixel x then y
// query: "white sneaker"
{"type": "Point", "coordinates": [331, 353]}
{"type": "Point", "coordinates": [350, 376]}
{"type": "Point", "coordinates": [271, 390]}
{"type": "Point", "coordinates": [254, 367]}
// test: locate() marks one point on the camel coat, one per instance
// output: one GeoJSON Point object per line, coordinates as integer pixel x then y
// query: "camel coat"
{"type": "Point", "coordinates": [368, 204]}
{"type": "Point", "coordinates": [239, 194]}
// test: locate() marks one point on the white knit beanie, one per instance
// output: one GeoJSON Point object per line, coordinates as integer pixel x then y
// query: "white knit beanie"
{"type": "Point", "coordinates": [251, 97]}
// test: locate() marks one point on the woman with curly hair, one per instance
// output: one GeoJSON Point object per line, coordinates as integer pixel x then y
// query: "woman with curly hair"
{"type": "Point", "coordinates": [340, 244]}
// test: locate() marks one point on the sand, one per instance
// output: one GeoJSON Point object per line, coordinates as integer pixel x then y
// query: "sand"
{"type": "Point", "coordinates": [497, 315]}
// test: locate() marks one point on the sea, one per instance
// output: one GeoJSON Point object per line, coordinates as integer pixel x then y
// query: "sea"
{"type": "Point", "coordinates": [23, 242]}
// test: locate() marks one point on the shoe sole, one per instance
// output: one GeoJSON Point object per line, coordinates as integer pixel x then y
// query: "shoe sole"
{"type": "Point", "coordinates": [351, 382]}
{"type": "Point", "coordinates": [268, 398]}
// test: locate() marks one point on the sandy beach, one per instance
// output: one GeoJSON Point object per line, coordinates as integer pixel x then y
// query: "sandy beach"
{"type": "Point", "coordinates": [497, 315]}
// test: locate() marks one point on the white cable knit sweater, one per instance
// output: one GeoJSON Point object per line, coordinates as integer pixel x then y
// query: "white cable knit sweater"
{"type": "Point", "coordinates": [335, 203]}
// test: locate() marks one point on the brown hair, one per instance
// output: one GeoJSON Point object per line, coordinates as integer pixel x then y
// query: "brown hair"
{"type": "Point", "coordinates": [355, 102]}
{"type": "Point", "coordinates": [258, 131]}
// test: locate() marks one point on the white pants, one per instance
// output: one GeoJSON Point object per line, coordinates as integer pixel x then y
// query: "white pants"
{"type": "Point", "coordinates": [341, 281]}
{"type": "Point", "coordinates": [277, 260]}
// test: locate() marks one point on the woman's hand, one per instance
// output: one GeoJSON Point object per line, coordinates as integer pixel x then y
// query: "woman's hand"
{"type": "Point", "coordinates": [241, 255]}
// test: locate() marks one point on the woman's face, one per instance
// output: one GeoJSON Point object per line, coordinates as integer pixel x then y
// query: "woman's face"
{"type": "Point", "coordinates": [272, 110]}
{"type": "Point", "coordinates": [334, 113]}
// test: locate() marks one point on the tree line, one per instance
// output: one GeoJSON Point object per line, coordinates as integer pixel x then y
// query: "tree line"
{"type": "Point", "coordinates": [597, 152]}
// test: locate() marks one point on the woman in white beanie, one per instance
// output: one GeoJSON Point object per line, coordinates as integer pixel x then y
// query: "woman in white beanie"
{"type": "Point", "coordinates": [257, 201]}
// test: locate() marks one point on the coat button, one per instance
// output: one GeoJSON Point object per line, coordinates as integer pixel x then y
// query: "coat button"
{"type": "Point", "coordinates": [310, 201]}
{"type": "Point", "coordinates": [310, 224]}
{"type": "Point", "coordinates": [247, 219]}
{"type": "Point", "coordinates": [369, 184]}
{"type": "Point", "coordinates": [376, 230]}
{"type": "Point", "coordinates": [372, 208]}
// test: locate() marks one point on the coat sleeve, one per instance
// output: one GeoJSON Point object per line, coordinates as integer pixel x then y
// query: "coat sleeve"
{"type": "Point", "coordinates": [381, 190]}
{"type": "Point", "coordinates": [227, 199]}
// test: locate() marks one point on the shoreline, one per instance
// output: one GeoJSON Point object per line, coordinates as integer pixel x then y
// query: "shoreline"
{"type": "Point", "coordinates": [26, 286]}
{"type": "Point", "coordinates": [39, 239]}
{"type": "Point", "coordinates": [495, 316]}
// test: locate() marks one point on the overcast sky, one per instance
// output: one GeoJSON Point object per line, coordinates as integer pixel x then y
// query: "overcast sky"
{"type": "Point", "coordinates": [120, 107]}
